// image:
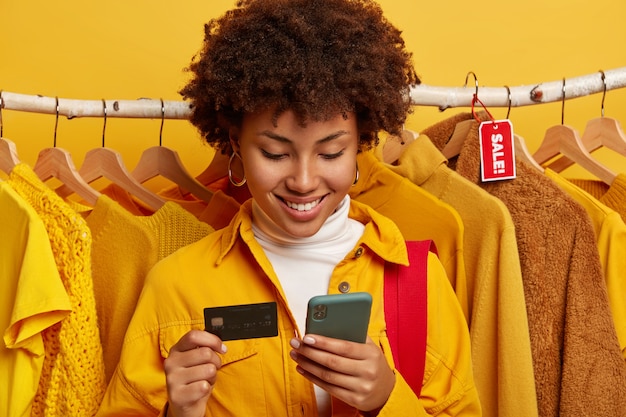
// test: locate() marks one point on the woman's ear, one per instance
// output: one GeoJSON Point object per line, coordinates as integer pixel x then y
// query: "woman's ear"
{"type": "Point", "coordinates": [233, 134]}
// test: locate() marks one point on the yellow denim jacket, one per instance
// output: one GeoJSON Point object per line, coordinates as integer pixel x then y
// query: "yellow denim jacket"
{"type": "Point", "coordinates": [257, 377]}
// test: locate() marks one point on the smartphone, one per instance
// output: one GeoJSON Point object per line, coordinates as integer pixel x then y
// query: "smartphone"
{"type": "Point", "coordinates": [340, 316]}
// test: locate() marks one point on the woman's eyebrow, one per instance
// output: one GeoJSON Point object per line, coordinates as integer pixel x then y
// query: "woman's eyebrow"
{"type": "Point", "coordinates": [284, 139]}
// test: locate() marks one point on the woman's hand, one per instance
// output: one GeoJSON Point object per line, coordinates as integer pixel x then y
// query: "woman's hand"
{"type": "Point", "coordinates": [191, 372]}
{"type": "Point", "coordinates": [355, 373]}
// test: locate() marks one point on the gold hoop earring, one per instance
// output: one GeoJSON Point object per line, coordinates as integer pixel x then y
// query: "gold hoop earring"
{"type": "Point", "coordinates": [356, 177]}
{"type": "Point", "coordinates": [230, 171]}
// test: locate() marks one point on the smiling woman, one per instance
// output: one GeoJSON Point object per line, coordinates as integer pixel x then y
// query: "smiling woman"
{"type": "Point", "coordinates": [283, 87]}
{"type": "Point", "coordinates": [298, 174]}
{"type": "Point", "coordinates": [297, 238]}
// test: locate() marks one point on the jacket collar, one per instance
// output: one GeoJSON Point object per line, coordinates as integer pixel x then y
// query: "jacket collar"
{"type": "Point", "coordinates": [419, 161]}
{"type": "Point", "coordinates": [381, 234]}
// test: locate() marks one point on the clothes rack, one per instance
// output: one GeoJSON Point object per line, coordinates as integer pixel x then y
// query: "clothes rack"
{"type": "Point", "coordinates": [423, 95]}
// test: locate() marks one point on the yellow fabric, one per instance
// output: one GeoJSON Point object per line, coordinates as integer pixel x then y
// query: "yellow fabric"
{"type": "Point", "coordinates": [124, 249]}
{"type": "Point", "coordinates": [611, 239]}
{"type": "Point", "coordinates": [613, 196]}
{"type": "Point", "coordinates": [418, 215]}
{"type": "Point", "coordinates": [257, 377]}
{"type": "Point", "coordinates": [72, 377]}
{"type": "Point", "coordinates": [501, 353]}
{"type": "Point", "coordinates": [217, 213]}
{"type": "Point", "coordinates": [32, 297]}
{"type": "Point", "coordinates": [576, 357]}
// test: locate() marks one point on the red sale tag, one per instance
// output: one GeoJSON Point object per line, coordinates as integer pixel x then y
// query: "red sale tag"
{"type": "Point", "coordinates": [497, 151]}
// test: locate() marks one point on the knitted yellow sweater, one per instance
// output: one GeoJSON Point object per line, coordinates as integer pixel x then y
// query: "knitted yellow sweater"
{"type": "Point", "coordinates": [125, 247]}
{"type": "Point", "coordinates": [613, 196]}
{"type": "Point", "coordinates": [72, 378]}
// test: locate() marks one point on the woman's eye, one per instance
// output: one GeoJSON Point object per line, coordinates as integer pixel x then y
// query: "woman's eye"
{"type": "Point", "coordinates": [332, 155]}
{"type": "Point", "coordinates": [270, 155]}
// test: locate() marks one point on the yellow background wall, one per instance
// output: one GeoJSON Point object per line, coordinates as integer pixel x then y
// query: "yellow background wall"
{"type": "Point", "coordinates": [132, 49]}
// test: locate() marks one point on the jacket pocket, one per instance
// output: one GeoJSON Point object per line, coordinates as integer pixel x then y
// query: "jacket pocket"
{"type": "Point", "coordinates": [240, 386]}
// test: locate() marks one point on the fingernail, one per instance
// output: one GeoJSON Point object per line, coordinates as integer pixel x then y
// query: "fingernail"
{"type": "Point", "coordinates": [308, 340]}
{"type": "Point", "coordinates": [224, 348]}
{"type": "Point", "coordinates": [295, 343]}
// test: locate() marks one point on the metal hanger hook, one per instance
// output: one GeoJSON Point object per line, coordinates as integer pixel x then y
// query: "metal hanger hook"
{"type": "Point", "coordinates": [104, 126]}
{"type": "Point", "coordinates": [563, 103]}
{"type": "Point", "coordinates": [1, 106]}
{"type": "Point", "coordinates": [508, 92]}
{"type": "Point", "coordinates": [475, 81]}
{"type": "Point", "coordinates": [162, 121]}
{"type": "Point", "coordinates": [56, 121]}
{"type": "Point", "coordinates": [603, 92]}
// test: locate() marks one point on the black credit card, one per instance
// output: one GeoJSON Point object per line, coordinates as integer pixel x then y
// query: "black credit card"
{"type": "Point", "coordinates": [247, 321]}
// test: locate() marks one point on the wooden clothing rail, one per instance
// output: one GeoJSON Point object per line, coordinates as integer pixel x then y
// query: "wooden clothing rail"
{"type": "Point", "coordinates": [421, 95]}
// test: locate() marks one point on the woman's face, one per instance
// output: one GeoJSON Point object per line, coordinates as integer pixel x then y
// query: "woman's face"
{"type": "Point", "coordinates": [297, 174]}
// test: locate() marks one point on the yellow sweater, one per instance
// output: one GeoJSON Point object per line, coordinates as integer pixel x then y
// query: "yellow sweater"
{"type": "Point", "coordinates": [72, 378]}
{"type": "Point", "coordinates": [501, 354]}
{"type": "Point", "coordinates": [125, 247]}
{"type": "Point", "coordinates": [613, 196]}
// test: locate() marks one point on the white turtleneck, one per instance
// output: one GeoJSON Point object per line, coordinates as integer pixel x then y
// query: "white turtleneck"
{"type": "Point", "coordinates": [304, 265]}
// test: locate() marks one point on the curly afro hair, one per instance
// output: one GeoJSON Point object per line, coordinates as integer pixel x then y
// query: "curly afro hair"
{"type": "Point", "coordinates": [317, 58]}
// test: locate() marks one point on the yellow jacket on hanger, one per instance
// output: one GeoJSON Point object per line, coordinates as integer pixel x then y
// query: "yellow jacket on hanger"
{"type": "Point", "coordinates": [497, 317]}
{"type": "Point", "coordinates": [417, 213]}
{"type": "Point", "coordinates": [257, 377]}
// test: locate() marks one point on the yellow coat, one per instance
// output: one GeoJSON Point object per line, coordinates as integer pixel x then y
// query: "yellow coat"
{"type": "Point", "coordinates": [497, 317]}
{"type": "Point", "coordinates": [257, 377]}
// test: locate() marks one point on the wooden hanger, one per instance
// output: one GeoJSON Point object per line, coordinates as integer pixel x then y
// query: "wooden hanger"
{"type": "Point", "coordinates": [216, 170]}
{"type": "Point", "coordinates": [395, 145]}
{"type": "Point", "coordinates": [522, 153]}
{"type": "Point", "coordinates": [604, 131]}
{"type": "Point", "coordinates": [57, 163]}
{"type": "Point", "coordinates": [8, 155]}
{"type": "Point", "coordinates": [454, 145]}
{"type": "Point", "coordinates": [599, 132]}
{"type": "Point", "coordinates": [8, 150]}
{"type": "Point", "coordinates": [564, 140]}
{"type": "Point", "coordinates": [107, 163]}
{"type": "Point", "coordinates": [165, 162]}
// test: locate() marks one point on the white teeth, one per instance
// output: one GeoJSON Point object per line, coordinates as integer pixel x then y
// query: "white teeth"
{"type": "Point", "coordinates": [302, 207]}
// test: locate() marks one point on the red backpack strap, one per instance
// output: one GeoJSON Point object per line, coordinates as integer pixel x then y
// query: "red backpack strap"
{"type": "Point", "coordinates": [406, 312]}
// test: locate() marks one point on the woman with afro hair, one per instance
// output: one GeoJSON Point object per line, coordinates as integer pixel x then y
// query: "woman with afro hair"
{"type": "Point", "coordinates": [291, 91]}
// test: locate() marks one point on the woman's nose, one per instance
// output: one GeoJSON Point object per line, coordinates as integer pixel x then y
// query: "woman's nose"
{"type": "Point", "coordinates": [303, 178]}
